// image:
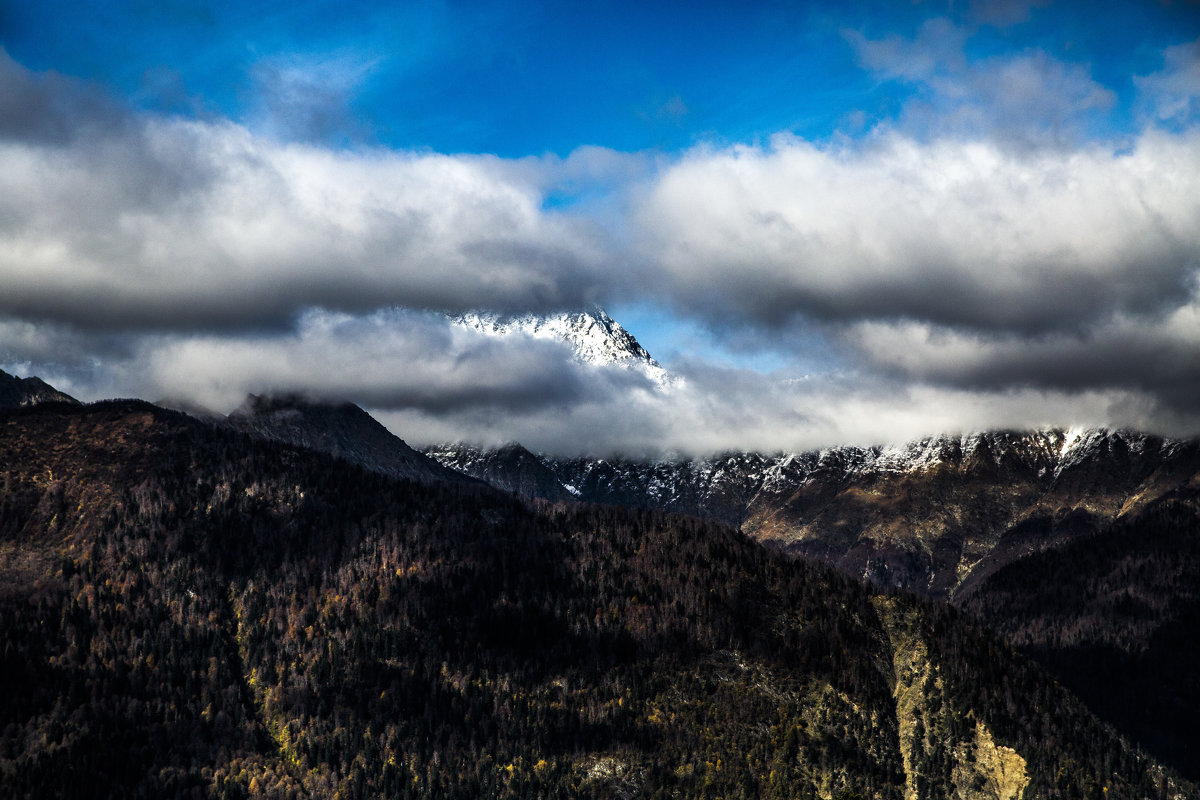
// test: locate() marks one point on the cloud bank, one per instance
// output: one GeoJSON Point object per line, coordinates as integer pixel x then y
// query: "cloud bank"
{"type": "Point", "coordinates": [963, 234]}
{"type": "Point", "coordinates": [114, 221]}
{"type": "Point", "coordinates": [966, 279]}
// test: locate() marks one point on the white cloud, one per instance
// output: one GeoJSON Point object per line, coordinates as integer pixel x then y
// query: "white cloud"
{"type": "Point", "coordinates": [1172, 95]}
{"type": "Point", "coordinates": [163, 223]}
{"type": "Point", "coordinates": [1024, 99]}
{"type": "Point", "coordinates": [737, 409]}
{"type": "Point", "coordinates": [388, 359]}
{"type": "Point", "coordinates": [964, 283]}
{"type": "Point", "coordinates": [963, 234]}
{"type": "Point", "coordinates": [431, 381]}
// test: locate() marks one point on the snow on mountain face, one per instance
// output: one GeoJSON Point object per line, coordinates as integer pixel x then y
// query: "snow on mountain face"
{"type": "Point", "coordinates": [717, 488]}
{"type": "Point", "coordinates": [595, 337]}
{"type": "Point", "coordinates": [690, 485]}
{"type": "Point", "coordinates": [926, 514]}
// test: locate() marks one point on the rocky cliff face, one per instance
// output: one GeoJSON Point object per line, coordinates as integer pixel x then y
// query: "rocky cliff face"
{"type": "Point", "coordinates": [933, 744]}
{"type": "Point", "coordinates": [511, 468]}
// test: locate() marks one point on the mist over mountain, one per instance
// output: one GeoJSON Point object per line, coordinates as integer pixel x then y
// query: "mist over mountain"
{"type": "Point", "coordinates": [341, 429]}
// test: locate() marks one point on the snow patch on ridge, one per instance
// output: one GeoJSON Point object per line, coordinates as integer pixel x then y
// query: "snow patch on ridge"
{"type": "Point", "coordinates": [1070, 437]}
{"type": "Point", "coordinates": [594, 336]}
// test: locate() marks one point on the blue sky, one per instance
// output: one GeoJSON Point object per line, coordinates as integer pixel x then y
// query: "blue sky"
{"type": "Point", "coordinates": [517, 79]}
{"type": "Point", "coordinates": [928, 215]}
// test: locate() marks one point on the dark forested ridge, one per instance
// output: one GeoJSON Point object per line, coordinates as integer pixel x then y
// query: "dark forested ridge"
{"type": "Point", "coordinates": [1116, 615]}
{"type": "Point", "coordinates": [16, 392]}
{"type": "Point", "coordinates": [340, 429]}
{"type": "Point", "coordinates": [190, 612]}
{"type": "Point", "coordinates": [1078, 546]}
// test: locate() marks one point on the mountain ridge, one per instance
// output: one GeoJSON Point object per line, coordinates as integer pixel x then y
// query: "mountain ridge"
{"type": "Point", "coordinates": [922, 515]}
{"type": "Point", "coordinates": [16, 392]}
{"type": "Point", "coordinates": [341, 429]}
{"type": "Point", "coordinates": [777, 498]}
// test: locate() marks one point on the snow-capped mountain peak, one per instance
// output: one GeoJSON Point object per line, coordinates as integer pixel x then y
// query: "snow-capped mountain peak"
{"type": "Point", "coordinates": [594, 336]}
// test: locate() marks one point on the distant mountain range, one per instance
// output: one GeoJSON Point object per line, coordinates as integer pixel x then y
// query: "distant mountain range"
{"type": "Point", "coordinates": [934, 515]}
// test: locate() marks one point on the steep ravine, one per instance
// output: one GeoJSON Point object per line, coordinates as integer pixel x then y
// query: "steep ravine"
{"type": "Point", "coordinates": [979, 768]}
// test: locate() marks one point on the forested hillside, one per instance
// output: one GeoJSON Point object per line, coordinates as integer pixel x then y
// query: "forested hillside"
{"type": "Point", "coordinates": [190, 612]}
{"type": "Point", "coordinates": [1116, 615]}
{"type": "Point", "coordinates": [1079, 546]}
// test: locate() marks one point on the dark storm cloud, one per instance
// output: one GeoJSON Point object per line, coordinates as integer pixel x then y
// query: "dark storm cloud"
{"type": "Point", "coordinates": [1158, 358]}
{"type": "Point", "coordinates": [50, 108]}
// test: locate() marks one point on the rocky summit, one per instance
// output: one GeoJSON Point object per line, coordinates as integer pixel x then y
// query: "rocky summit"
{"type": "Point", "coordinates": [16, 392]}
